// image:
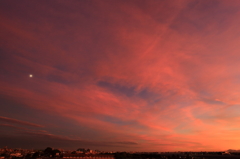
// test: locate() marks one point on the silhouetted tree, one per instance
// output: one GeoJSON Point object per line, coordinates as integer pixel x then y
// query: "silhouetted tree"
{"type": "Point", "coordinates": [74, 152]}
{"type": "Point", "coordinates": [36, 154]}
{"type": "Point", "coordinates": [55, 151]}
{"type": "Point", "coordinates": [48, 151]}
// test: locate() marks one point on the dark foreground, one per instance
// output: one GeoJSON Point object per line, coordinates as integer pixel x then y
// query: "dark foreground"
{"type": "Point", "coordinates": [81, 153]}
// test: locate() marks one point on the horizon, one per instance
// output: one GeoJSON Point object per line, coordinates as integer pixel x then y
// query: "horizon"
{"type": "Point", "coordinates": [124, 75]}
{"type": "Point", "coordinates": [61, 149]}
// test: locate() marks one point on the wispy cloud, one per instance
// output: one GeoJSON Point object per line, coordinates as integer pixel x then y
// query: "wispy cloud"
{"type": "Point", "coordinates": [150, 73]}
{"type": "Point", "coordinates": [20, 122]}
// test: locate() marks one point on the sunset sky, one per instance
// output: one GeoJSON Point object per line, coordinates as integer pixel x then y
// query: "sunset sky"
{"type": "Point", "coordinates": [126, 75]}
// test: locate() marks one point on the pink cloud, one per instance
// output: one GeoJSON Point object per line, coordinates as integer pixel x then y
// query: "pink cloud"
{"type": "Point", "coordinates": [15, 121]}
{"type": "Point", "coordinates": [166, 77]}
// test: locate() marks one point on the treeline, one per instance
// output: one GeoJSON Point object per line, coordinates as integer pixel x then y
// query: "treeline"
{"type": "Point", "coordinates": [48, 152]}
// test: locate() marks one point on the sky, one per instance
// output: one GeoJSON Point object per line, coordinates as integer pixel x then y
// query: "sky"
{"type": "Point", "coordinates": [122, 75]}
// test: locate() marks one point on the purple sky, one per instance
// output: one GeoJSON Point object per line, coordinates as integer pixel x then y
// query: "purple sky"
{"type": "Point", "coordinates": [127, 75]}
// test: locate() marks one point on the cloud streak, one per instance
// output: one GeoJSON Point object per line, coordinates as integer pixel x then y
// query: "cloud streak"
{"type": "Point", "coordinates": [136, 73]}
{"type": "Point", "coordinates": [15, 121]}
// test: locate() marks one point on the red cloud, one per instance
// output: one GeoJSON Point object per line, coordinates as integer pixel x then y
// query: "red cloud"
{"type": "Point", "coordinates": [15, 121]}
{"type": "Point", "coordinates": [153, 73]}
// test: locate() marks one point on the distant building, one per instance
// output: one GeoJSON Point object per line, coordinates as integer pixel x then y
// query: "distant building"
{"type": "Point", "coordinates": [226, 153]}
{"type": "Point", "coordinates": [92, 156]}
{"type": "Point", "coordinates": [16, 154]}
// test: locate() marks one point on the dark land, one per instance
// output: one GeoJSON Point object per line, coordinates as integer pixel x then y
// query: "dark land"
{"type": "Point", "coordinates": [82, 153]}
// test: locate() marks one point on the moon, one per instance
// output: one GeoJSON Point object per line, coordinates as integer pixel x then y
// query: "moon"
{"type": "Point", "coordinates": [30, 75]}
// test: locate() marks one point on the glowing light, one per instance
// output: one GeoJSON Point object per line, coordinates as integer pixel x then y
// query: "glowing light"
{"type": "Point", "coordinates": [30, 75]}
